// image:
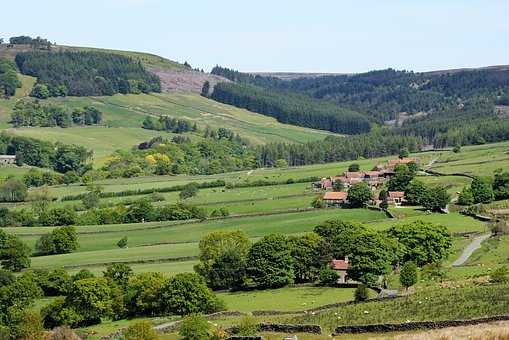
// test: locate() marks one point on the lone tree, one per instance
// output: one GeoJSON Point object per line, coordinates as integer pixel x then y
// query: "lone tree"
{"type": "Point", "coordinates": [408, 274]}
{"type": "Point", "coordinates": [354, 167]}
{"type": "Point", "coordinates": [359, 194]}
{"type": "Point", "coordinates": [188, 191]}
{"type": "Point", "coordinates": [205, 89]}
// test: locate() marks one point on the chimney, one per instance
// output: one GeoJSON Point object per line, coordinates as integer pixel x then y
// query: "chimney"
{"type": "Point", "coordinates": [346, 259]}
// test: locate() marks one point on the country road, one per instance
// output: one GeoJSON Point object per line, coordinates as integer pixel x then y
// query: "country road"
{"type": "Point", "coordinates": [473, 246]}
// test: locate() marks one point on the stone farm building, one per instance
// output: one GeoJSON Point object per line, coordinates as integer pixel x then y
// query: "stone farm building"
{"type": "Point", "coordinates": [335, 198]}
{"type": "Point", "coordinates": [7, 160]}
{"type": "Point", "coordinates": [341, 267]}
{"type": "Point", "coordinates": [396, 198]}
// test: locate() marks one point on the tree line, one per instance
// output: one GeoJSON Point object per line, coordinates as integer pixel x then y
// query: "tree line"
{"type": "Point", "coordinates": [38, 42]}
{"type": "Point", "coordinates": [85, 73]}
{"type": "Point", "coordinates": [31, 112]}
{"type": "Point", "coordinates": [169, 124]}
{"type": "Point", "coordinates": [9, 81]}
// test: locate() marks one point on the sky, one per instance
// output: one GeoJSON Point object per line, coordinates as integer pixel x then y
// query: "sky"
{"type": "Point", "coordinates": [342, 36]}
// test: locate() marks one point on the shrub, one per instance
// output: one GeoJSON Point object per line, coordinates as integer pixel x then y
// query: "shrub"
{"type": "Point", "coordinates": [122, 243]}
{"type": "Point", "coordinates": [58, 313]}
{"type": "Point", "coordinates": [189, 190]}
{"type": "Point", "coordinates": [328, 277]}
{"type": "Point", "coordinates": [91, 298]}
{"type": "Point", "coordinates": [140, 331]}
{"type": "Point", "coordinates": [6, 277]}
{"type": "Point", "coordinates": [408, 275]}
{"type": "Point", "coordinates": [194, 327]}
{"type": "Point", "coordinates": [361, 293]}
{"type": "Point", "coordinates": [82, 274]}
{"type": "Point", "coordinates": [13, 190]}
{"type": "Point", "coordinates": [62, 240]}
{"type": "Point", "coordinates": [248, 326]}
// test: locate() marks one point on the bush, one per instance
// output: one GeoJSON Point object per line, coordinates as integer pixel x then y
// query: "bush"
{"type": "Point", "coordinates": [409, 274]}
{"type": "Point", "coordinates": [122, 243]}
{"type": "Point", "coordinates": [13, 190]}
{"type": "Point", "coordinates": [58, 313]}
{"type": "Point", "coordinates": [248, 326]}
{"type": "Point", "coordinates": [6, 277]}
{"type": "Point", "coordinates": [328, 277]}
{"type": "Point", "coordinates": [194, 327]}
{"type": "Point", "coordinates": [62, 240]}
{"type": "Point", "coordinates": [361, 293]}
{"type": "Point", "coordinates": [188, 191]}
{"type": "Point", "coordinates": [118, 273]}
{"type": "Point", "coordinates": [143, 294]}
{"type": "Point", "coordinates": [82, 274]}
{"type": "Point", "coordinates": [140, 331]}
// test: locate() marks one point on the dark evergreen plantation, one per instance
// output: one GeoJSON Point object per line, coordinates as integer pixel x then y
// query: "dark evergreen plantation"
{"type": "Point", "coordinates": [85, 74]}
{"type": "Point", "coordinates": [296, 109]}
{"type": "Point", "coordinates": [9, 81]}
{"type": "Point", "coordinates": [382, 94]}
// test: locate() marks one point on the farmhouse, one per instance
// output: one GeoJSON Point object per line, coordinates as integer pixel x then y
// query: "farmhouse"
{"type": "Point", "coordinates": [341, 267]}
{"type": "Point", "coordinates": [7, 159]}
{"type": "Point", "coordinates": [396, 198]}
{"type": "Point", "coordinates": [406, 160]}
{"type": "Point", "coordinates": [335, 198]}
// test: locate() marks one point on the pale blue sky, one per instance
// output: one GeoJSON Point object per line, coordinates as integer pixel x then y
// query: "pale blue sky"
{"type": "Point", "coordinates": [279, 35]}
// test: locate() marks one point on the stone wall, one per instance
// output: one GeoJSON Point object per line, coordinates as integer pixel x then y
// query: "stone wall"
{"type": "Point", "coordinates": [410, 326]}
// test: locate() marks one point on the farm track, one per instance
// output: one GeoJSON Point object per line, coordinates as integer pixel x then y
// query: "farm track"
{"type": "Point", "coordinates": [469, 250]}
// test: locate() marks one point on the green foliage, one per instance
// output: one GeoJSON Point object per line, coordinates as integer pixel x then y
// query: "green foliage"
{"type": "Point", "coordinates": [304, 252]}
{"type": "Point", "coordinates": [140, 331]}
{"type": "Point", "coordinates": [328, 277]}
{"type": "Point", "coordinates": [9, 81]}
{"type": "Point", "coordinates": [318, 203]}
{"type": "Point", "coordinates": [281, 163]}
{"type": "Point", "coordinates": [57, 313]}
{"type": "Point", "coordinates": [456, 149]}
{"type": "Point", "coordinates": [91, 298]}
{"type": "Point", "coordinates": [61, 240]}
{"type": "Point", "coordinates": [338, 238]}
{"type": "Point", "coordinates": [119, 273]}
{"type": "Point", "coordinates": [188, 191]}
{"type": "Point", "coordinates": [223, 257]}
{"type": "Point", "coordinates": [354, 167]}
{"type": "Point", "coordinates": [87, 73]}
{"type": "Point", "coordinates": [187, 293]}
{"type": "Point", "coordinates": [408, 274]}
{"type": "Point", "coordinates": [291, 108]}
{"type": "Point", "coordinates": [194, 327]}
{"type": "Point", "coordinates": [143, 294]}
{"type": "Point", "coordinates": [435, 198]}
{"type": "Point", "coordinates": [248, 326]}
{"type": "Point", "coordinates": [169, 124]}
{"type": "Point", "coordinates": [404, 153]}
{"type": "Point", "coordinates": [466, 197]}
{"type": "Point", "coordinates": [58, 216]}
{"type": "Point", "coordinates": [92, 198]}
{"type": "Point", "coordinates": [401, 179]}
{"type": "Point", "coordinates": [122, 243]}
{"type": "Point", "coordinates": [53, 283]}
{"type": "Point", "coordinates": [359, 194]}
{"type": "Point", "coordinates": [423, 242]}
{"type": "Point", "coordinates": [482, 191]}
{"type": "Point", "coordinates": [82, 274]}
{"type": "Point", "coordinates": [415, 191]}
{"type": "Point", "coordinates": [13, 190]}
{"type": "Point", "coordinates": [500, 275]}
{"type": "Point", "coordinates": [6, 277]}
{"type": "Point", "coordinates": [205, 88]}
{"type": "Point", "coordinates": [361, 293]}
{"type": "Point", "coordinates": [434, 272]}
{"type": "Point", "coordinates": [501, 185]}
{"type": "Point", "coordinates": [269, 262]}
{"type": "Point", "coordinates": [14, 254]}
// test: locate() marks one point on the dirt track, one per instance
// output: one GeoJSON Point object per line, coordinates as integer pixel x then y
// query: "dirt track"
{"type": "Point", "coordinates": [187, 80]}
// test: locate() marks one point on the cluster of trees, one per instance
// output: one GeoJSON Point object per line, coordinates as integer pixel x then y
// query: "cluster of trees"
{"type": "Point", "coordinates": [290, 108]}
{"type": "Point", "coordinates": [120, 294]}
{"type": "Point", "coordinates": [60, 157]}
{"type": "Point", "coordinates": [61, 240]}
{"type": "Point", "coordinates": [31, 112]}
{"type": "Point", "coordinates": [143, 210]}
{"type": "Point", "coordinates": [85, 74]}
{"type": "Point", "coordinates": [162, 157]}
{"type": "Point", "coordinates": [9, 81]}
{"type": "Point", "coordinates": [169, 124]}
{"type": "Point", "coordinates": [36, 43]}
{"type": "Point", "coordinates": [486, 190]}
{"type": "Point", "coordinates": [14, 254]}
{"type": "Point", "coordinates": [229, 261]}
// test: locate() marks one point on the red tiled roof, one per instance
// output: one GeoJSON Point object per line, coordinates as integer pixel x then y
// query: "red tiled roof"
{"type": "Point", "coordinates": [396, 194]}
{"type": "Point", "coordinates": [335, 195]}
{"type": "Point", "coordinates": [339, 264]}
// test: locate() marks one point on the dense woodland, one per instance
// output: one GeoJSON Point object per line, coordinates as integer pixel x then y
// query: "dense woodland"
{"type": "Point", "coordinates": [290, 108]}
{"type": "Point", "coordinates": [85, 74]}
{"type": "Point", "coordinates": [382, 94]}
{"type": "Point", "coordinates": [9, 81]}
{"type": "Point", "coordinates": [32, 112]}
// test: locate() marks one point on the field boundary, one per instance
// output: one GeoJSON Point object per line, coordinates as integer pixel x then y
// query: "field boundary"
{"type": "Point", "coordinates": [416, 325]}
